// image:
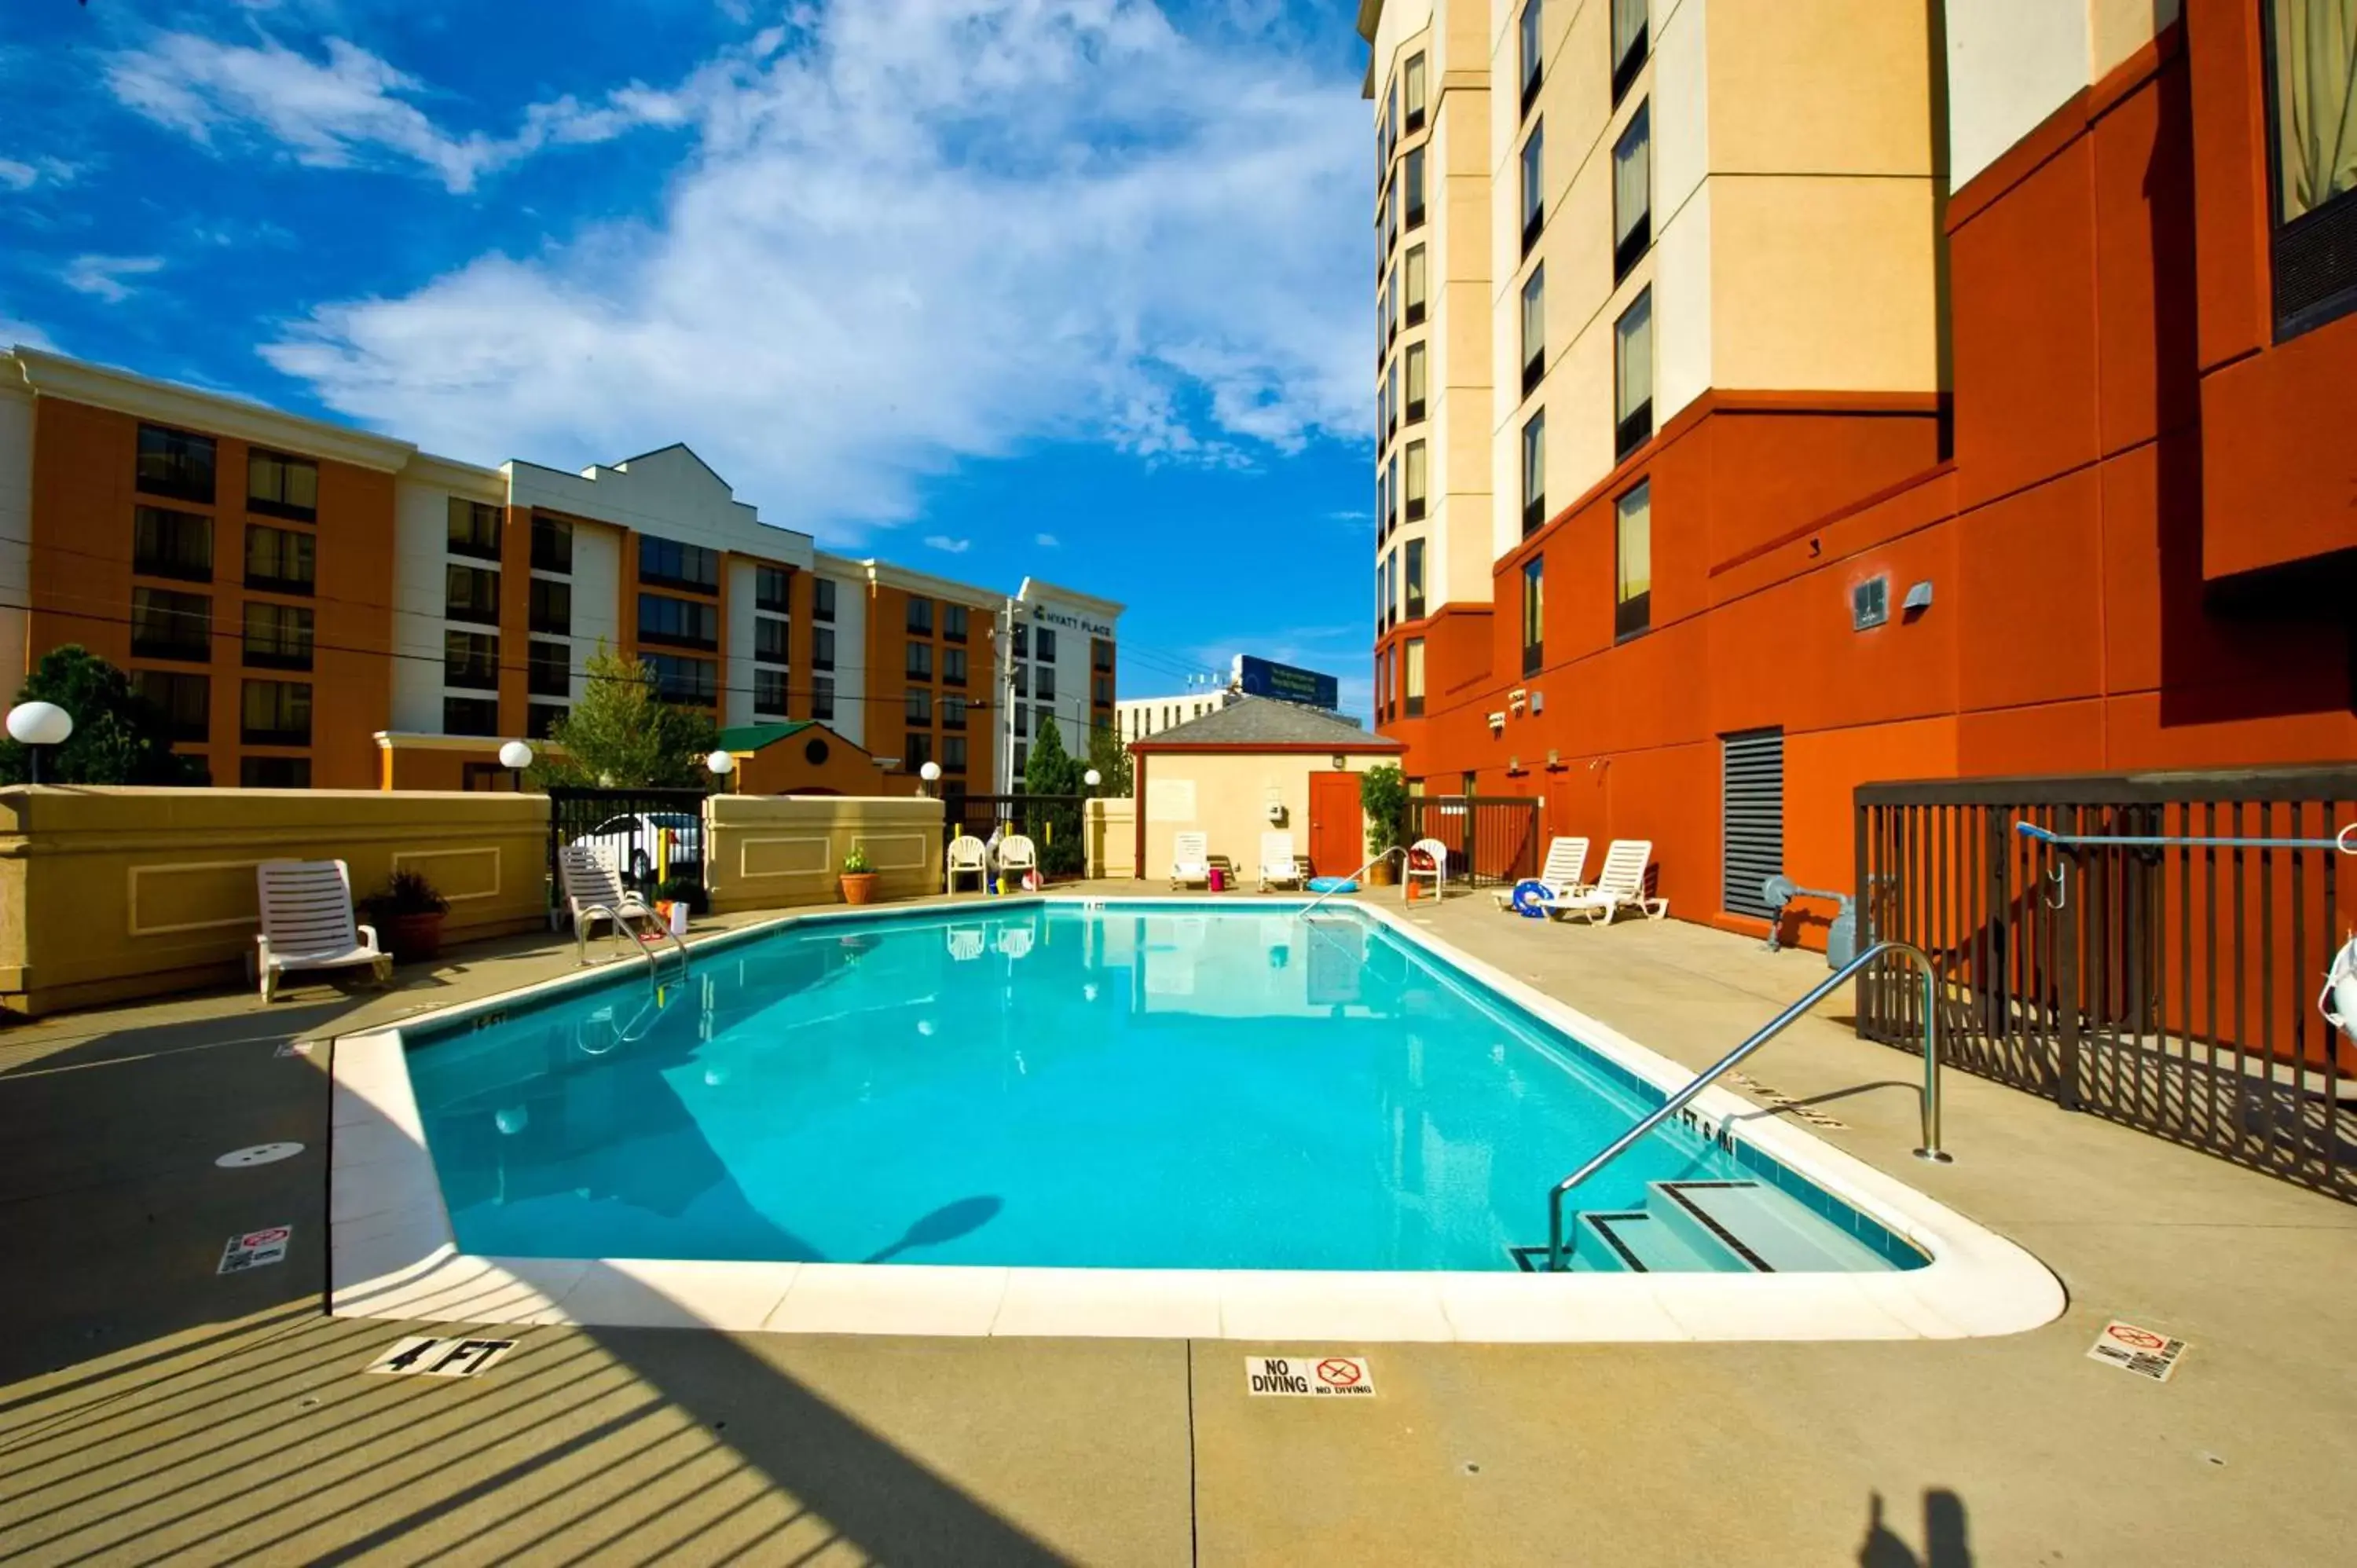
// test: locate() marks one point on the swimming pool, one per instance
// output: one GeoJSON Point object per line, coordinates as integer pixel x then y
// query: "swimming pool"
{"type": "Point", "coordinates": [1139, 1096]}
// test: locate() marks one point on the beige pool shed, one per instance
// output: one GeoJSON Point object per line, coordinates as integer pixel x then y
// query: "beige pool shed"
{"type": "Point", "coordinates": [1255, 765]}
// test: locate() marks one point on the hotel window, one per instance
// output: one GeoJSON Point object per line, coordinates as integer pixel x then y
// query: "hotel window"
{"type": "Point", "coordinates": [541, 719]}
{"type": "Point", "coordinates": [1531, 53]}
{"type": "Point", "coordinates": [277, 636]}
{"type": "Point", "coordinates": [671, 564]}
{"type": "Point", "coordinates": [1533, 615]}
{"type": "Point", "coordinates": [552, 607]}
{"type": "Point", "coordinates": [1535, 330]}
{"type": "Point", "coordinates": [276, 712]}
{"type": "Point", "coordinates": [678, 679]}
{"type": "Point", "coordinates": [1415, 188]}
{"type": "Point", "coordinates": [1412, 679]}
{"type": "Point", "coordinates": [1633, 192]}
{"type": "Point", "coordinates": [1043, 647]}
{"type": "Point", "coordinates": [279, 560]}
{"type": "Point", "coordinates": [1022, 719]}
{"type": "Point", "coordinates": [470, 716]}
{"type": "Point", "coordinates": [1022, 758]}
{"type": "Point", "coordinates": [165, 625]}
{"type": "Point", "coordinates": [680, 623]}
{"type": "Point", "coordinates": [953, 712]}
{"type": "Point", "coordinates": [1533, 187]}
{"type": "Point", "coordinates": [919, 665]}
{"type": "Point", "coordinates": [1415, 579]}
{"type": "Point", "coordinates": [175, 463]}
{"type": "Point", "coordinates": [1632, 588]}
{"type": "Point", "coordinates": [823, 697]}
{"type": "Point", "coordinates": [1387, 319]}
{"type": "Point", "coordinates": [1383, 609]}
{"type": "Point", "coordinates": [551, 543]}
{"type": "Point", "coordinates": [1022, 642]}
{"type": "Point", "coordinates": [474, 528]}
{"type": "Point", "coordinates": [275, 773]}
{"type": "Point", "coordinates": [549, 669]}
{"type": "Point", "coordinates": [1100, 653]}
{"type": "Point", "coordinates": [1044, 686]}
{"type": "Point", "coordinates": [953, 666]}
{"type": "Point", "coordinates": [1383, 505]}
{"type": "Point", "coordinates": [920, 705]}
{"type": "Point", "coordinates": [1392, 489]}
{"type": "Point", "coordinates": [1413, 86]}
{"type": "Point", "coordinates": [1392, 399]}
{"type": "Point", "coordinates": [185, 700]}
{"type": "Point", "coordinates": [1534, 473]}
{"type": "Point", "coordinates": [1101, 691]}
{"type": "Point", "coordinates": [1414, 284]}
{"type": "Point", "coordinates": [2311, 69]}
{"type": "Point", "coordinates": [917, 751]}
{"type": "Point", "coordinates": [1628, 40]}
{"type": "Point", "coordinates": [469, 592]}
{"type": "Point", "coordinates": [822, 647]}
{"type": "Point", "coordinates": [770, 640]}
{"type": "Point", "coordinates": [277, 486]}
{"type": "Point", "coordinates": [172, 544]}
{"type": "Point", "coordinates": [1633, 375]}
{"type": "Point", "coordinates": [954, 619]}
{"type": "Point", "coordinates": [821, 599]}
{"type": "Point", "coordinates": [470, 658]}
{"type": "Point", "coordinates": [952, 754]}
{"type": "Point", "coordinates": [1416, 352]}
{"type": "Point", "coordinates": [772, 588]}
{"type": "Point", "coordinates": [1416, 480]}
{"type": "Point", "coordinates": [921, 617]}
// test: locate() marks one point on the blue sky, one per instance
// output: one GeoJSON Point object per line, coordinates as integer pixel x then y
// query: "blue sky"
{"type": "Point", "coordinates": [1076, 289]}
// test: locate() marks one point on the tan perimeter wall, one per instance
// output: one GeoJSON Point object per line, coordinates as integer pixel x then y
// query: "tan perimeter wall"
{"type": "Point", "coordinates": [1112, 838]}
{"type": "Point", "coordinates": [107, 894]}
{"type": "Point", "coordinates": [1226, 795]}
{"type": "Point", "coordinates": [774, 852]}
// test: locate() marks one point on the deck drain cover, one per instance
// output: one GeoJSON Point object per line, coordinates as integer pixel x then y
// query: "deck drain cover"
{"type": "Point", "coordinates": [259, 1154]}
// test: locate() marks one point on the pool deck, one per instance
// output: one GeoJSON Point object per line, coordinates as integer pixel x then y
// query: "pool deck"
{"type": "Point", "coordinates": [151, 1409]}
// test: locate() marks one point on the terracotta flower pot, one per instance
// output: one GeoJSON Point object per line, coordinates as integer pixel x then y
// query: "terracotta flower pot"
{"type": "Point", "coordinates": [411, 939]}
{"type": "Point", "coordinates": [1383, 873]}
{"type": "Point", "coordinates": [859, 888]}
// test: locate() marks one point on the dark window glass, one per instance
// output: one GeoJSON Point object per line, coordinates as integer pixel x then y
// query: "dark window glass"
{"type": "Point", "coordinates": [1633, 192]}
{"type": "Point", "coordinates": [277, 636]}
{"type": "Point", "coordinates": [279, 560]}
{"type": "Point", "coordinates": [953, 712]}
{"type": "Point", "coordinates": [279, 485]}
{"type": "Point", "coordinates": [823, 697]}
{"type": "Point", "coordinates": [770, 640]}
{"type": "Point", "coordinates": [551, 543]}
{"type": "Point", "coordinates": [952, 754]}
{"type": "Point", "coordinates": [1023, 680]}
{"type": "Point", "coordinates": [921, 661]}
{"type": "Point", "coordinates": [470, 716]}
{"type": "Point", "coordinates": [469, 592]}
{"type": "Point", "coordinates": [920, 705]}
{"type": "Point", "coordinates": [1415, 167]}
{"type": "Point", "coordinates": [1534, 473]}
{"type": "Point", "coordinates": [1414, 579]}
{"type": "Point", "coordinates": [1412, 86]}
{"type": "Point", "coordinates": [671, 564]}
{"type": "Point", "coordinates": [1632, 586]}
{"type": "Point", "coordinates": [1533, 615]}
{"type": "Point", "coordinates": [1044, 645]}
{"type": "Point", "coordinates": [165, 625]}
{"type": "Point", "coordinates": [1022, 642]}
{"type": "Point", "coordinates": [823, 599]}
{"type": "Point", "coordinates": [470, 658]}
{"type": "Point", "coordinates": [276, 712]}
{"type": "Point", "coordinates": [1100, 653]}
{"type": "Point", "coordinates": [822, 646]}
{"type": "Point", "coordinates": [953, 622]}
{"type": "Point", "coordinates": [1101, 691]}
{"type": "Point", "coordinates": [678, 623]}
{"type": "Point", "coordinates": [1632, 367]}
{"type": "Point", "coordinates": [1629, 35]}
{"type": "Point", "coordinates": [175, 463]}
{"type": "Point", "coordinates": [921, 617]}
{"type": "Point", "coordinates": [184, 700]}
{"type": "Point", "coordinates": [1022, 761]}
{"type": "Point", "coordinates": [1533, 330]}
{"type": "Point", "coordinates": [172, 544]}
{"type": "Point", "coordinates": [1412, 678]}
{"type": "Point", "coordinates": [474, 528]}
{"type": "Point", "coordinates": [552, 607]}
{"type": "Point", "coordinates": [693, 681]}
{"type": "Point", "coordinates": [773, 587]}
{"type": "Point", "coordinates": [1531, 53]}
{"type": "Point", "coordinates": [916, 752]}
{"type": "Point", "coordinates": [275, 773]}
{"type": "Point", "coordinates": [770, 692]}
{"type": "Point", "coordinates": [1533, 187]}
{"type": "Point", "coordinates": [1416, 380]}
{"type": "Point", "coordinates": [550, 671]}
{"type": "Point", "coordinates": [1022, 719]}
{"type": "Point", "coordinates": [541, 719]}
{"type": "Point", "coordinates": [953, 666]}
{"type": "Point", "coordinates": [1043, 685]}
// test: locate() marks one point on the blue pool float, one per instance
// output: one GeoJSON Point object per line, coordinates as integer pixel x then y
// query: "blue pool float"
{"type": "Point", "coordinates": [1332, 885]}
{"type": "Point", "coordinates": [1529, 900]}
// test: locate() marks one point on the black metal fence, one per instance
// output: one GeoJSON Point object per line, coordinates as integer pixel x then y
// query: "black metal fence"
{"type": "Point", "coordinates": [652, 836]}
{"type": "Point", "coordinates": [1494, 841]}
{"type": "Point", "coordinates": [1053, 822]}
{"type": "Point", "coordinates": [2172, 987]}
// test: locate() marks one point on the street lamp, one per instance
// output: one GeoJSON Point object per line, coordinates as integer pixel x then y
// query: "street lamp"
{"type": "Point", "coordinates": [516, 757]}
{"type": "Point", "coordinates": [38, 727]}
{"type": "Point", "coordinates": [721, 766]}
{"type": "Point", "coordinates": [1092, 778]}
{"type": "Point", "coordinates": [931, 774]}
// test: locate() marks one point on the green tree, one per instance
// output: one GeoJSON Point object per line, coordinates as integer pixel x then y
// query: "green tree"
{"type": "Point", "coordinates": [1056, 827]}
{"type": "Point", "coordinates": [1382, 795]}
{"type": "Point", "coordinates": [1110, 757]}
{"type": "Point", "coordinates": [621, 734]}
{"type": "Point", "coordinates": [119, 736]}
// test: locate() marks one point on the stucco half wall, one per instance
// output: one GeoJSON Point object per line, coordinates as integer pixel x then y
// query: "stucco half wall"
{"type": "Point", "coordinates": [1226, 794]}
{"type": "Point", "coordinates": [779, 852]}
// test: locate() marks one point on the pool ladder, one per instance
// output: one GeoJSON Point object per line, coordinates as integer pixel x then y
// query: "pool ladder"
{"type": "Point", "coordinates": [623, 933]}
{"type": "Point", "coordinates": [1929, 1150]}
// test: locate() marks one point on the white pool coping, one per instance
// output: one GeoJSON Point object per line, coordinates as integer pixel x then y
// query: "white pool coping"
{"type": "Point", "coordinates": [395, 1255]}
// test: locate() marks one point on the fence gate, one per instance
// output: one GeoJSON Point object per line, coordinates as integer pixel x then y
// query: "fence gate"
{"type": "Point", "coordinates": [1493, 839]}
{"type": "Point", "coordinates": [650, 836]}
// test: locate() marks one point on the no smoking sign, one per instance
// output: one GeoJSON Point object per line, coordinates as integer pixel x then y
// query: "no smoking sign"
{"type": "Point", "coordinates": [1310, 1377]}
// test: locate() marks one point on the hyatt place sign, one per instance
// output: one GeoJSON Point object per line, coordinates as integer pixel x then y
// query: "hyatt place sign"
{"type": "Point", "coordinates": [1047, 616]}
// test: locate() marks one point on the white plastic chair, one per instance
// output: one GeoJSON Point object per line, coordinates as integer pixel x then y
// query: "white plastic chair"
{"type": "Point", "coordinates": [594, 891]}
{"type": "Point", "coordinates": [1190, 859]}
{"type": "Point", "coordinates": [307, 922]}
{"type": "Point", "coordinates": [1014, 941]}
{"type": "Point", "coordinates": [966, 856]}
{"type": "Point", "coordinates": [1277, 866]}
{"type": "Point", "coordinates": [1436, 872]}
{"type": "Point", "coordinates": [1567, 863]}
{"type": "Point", "coordinates": [965, 943]}
{"type": "Point", "coordinates": [1620, 885]}
{"type": "Point", "coordinates": [1017, 854]}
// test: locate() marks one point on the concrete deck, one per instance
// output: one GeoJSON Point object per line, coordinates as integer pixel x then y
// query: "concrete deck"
{"type": "Point", "coordinates": [152, 1410]}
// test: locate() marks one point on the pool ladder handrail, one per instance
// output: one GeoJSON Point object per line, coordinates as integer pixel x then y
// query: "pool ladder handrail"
{"type": "Point", "coordinates": [1676, 1102]}
{"type": "Point", "coordinates": [1399, 849]}
{"type": "Point", "coordinates": [623, 932]}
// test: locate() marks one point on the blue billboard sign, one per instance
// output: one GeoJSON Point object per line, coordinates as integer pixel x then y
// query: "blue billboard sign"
{"type": "Point", "coordinates": [1259, 678]}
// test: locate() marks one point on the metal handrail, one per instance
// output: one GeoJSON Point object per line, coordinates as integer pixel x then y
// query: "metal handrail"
{"type": "Point", "coordinates": [635, 939]}
{"type": "Point", "coordinates": [1776, 1025]}
{"type": "Point", "coordinates": [1399, 849]}
{"type": "Point", "coordinates": [2345, 841]}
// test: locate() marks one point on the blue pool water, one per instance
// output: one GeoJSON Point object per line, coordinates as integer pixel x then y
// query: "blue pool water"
{"type": "Point", "coordinates": [1134, 1086]}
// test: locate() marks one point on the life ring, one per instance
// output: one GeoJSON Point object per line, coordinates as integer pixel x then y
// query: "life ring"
{"type": "Point", "coordinates": [1529, 900]}
{"type": "Point", "coordinates": [2339, 1001]}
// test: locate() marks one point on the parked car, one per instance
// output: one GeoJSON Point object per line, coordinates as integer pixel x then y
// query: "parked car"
{"type": "Point", "coordinates": [644, 845]}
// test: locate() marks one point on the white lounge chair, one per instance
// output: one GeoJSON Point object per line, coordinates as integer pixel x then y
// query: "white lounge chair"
{"type": "Point", "coordinates": [967, 943]}
{"type": "Point", "coordinates": [1567, 863]}
{"type": "Point", "coordinates": [307, 923]}
{"type": "Point", "coordinates": [1436, 872]}
{"type": "Point", "coordinates": [1620, 884]}
{"type": "Point", "coordinates": [1190, 859]}
{"type": "Point", "coordinates": [1014, 941]}
{"type": "Point", "coordinates": [594, 891]}
{"type": "Point", "coordinates": [967, 856]}
{"type": "Point", "coordinates": [1017, 856]}
{"type": "Point", "coordinates": [1276, 866]}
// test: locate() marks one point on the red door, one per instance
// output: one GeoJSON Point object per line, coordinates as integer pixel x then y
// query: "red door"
{"type": "Point", "coordinates": [1337, 842]}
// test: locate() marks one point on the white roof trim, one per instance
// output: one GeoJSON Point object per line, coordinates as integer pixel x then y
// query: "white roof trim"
{"type": "Point", "coordinates": [76, 381]}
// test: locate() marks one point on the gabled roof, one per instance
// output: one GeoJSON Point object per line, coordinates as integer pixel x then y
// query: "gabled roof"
{"type": "Point", "coordinates": [1249, 723]}
{"type": "Point", "coordinates": [753, 737]}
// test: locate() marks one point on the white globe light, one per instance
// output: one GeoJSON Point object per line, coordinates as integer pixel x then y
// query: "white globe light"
{"type": "Point", "coordinates": [515, 755]}
{"type": "Point", "coordinates": [930, 771]}
{"type": "Point", "coordinates": [39, 723]}
{"type": "Point", "coordinates": [721, 763]}
{"type": "Point", "coordinates": [1092, 778]}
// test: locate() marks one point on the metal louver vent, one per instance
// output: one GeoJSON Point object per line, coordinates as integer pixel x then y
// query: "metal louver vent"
{"type": "Point", "coordinates": [1752, 817]}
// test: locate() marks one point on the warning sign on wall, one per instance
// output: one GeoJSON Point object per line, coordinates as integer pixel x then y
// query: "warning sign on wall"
{"type": "Point", "coordinates": [2139, 1350]}
{"type": "Point", "coordinates": [1309, 1376]}
{"type": "Point", "coordinates": [254, 1249]}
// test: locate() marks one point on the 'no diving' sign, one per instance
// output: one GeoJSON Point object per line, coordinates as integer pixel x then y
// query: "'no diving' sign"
{"type": "Point", "coordinates": [1309, 1376]}
{"type": "Point", "coordinates": [2138, 1350]}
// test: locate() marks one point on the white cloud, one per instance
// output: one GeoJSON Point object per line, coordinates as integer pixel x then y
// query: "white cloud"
{"type": "Point", "coordinates": [1349, 516]}
{"type": "Point", "coordinates": [1047, 540]}
{"type": "Point", "coordinates": [102, 277]}
{"type": "Point", "coordinates": [15, 175]}
{"type": "Point", "coordinates": [14, 331]}
{"type": "Point", "coordinates": [352, 111]}
{"type": "Point", "coordinates": [943, 542]}
{"type": "Point", "coordinates": [922, 233]}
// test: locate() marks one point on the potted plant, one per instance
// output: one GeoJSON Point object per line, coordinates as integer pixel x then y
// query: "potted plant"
{"type": "Point", "coordinates": [407, 915]}
{"type": "Point", "coordinates": [1383, 796]}
{"type": "Point", "coordinates": [859, 877]}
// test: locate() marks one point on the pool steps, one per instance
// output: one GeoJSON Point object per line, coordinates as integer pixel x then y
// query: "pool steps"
{"type": "Point", "coordinates": [1716, 1227]}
